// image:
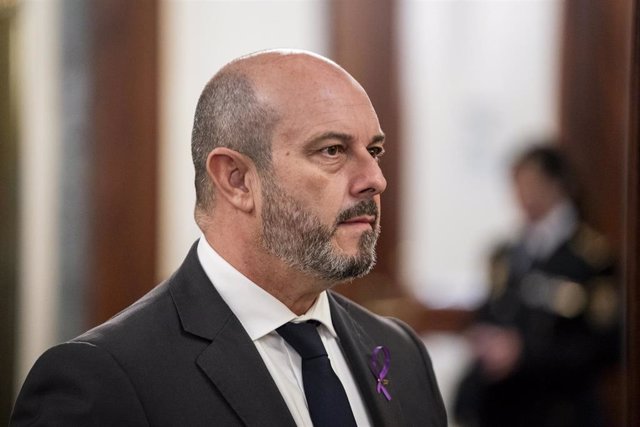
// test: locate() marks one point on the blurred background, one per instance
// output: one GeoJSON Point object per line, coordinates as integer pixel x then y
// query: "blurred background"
{"type": "Point", "coordinates": [96, 106]}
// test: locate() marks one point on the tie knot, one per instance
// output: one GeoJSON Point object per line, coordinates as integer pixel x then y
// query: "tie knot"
{"type": "Point", "coordinates": [304, 338]}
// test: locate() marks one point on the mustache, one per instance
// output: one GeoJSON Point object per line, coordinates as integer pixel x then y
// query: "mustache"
{"type": "Point", "coordinates": [365, 207]}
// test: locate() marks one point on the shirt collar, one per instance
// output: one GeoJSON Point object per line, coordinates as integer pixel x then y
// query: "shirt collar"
{"type": "Point", "coordinates": [259, 312]}
{"type": "Point", "coordinates": [543, 237]}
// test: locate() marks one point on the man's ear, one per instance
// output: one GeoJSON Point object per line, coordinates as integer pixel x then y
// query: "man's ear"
{"type": "Point", "coordinates": [231, 173]}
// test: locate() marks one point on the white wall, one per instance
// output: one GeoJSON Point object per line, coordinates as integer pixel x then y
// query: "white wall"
{"type": "Point", "coordinates": [36, 64]}
{"type": "Point", "coordinates": [197, 38]}
{"type": "Point", "coordinates": [479, 77]}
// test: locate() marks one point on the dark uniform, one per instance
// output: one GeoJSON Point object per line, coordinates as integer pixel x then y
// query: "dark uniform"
{"type": "Point", "coordinates": [566, 310]}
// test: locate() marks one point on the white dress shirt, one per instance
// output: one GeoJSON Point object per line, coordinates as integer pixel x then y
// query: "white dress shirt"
{"type": "Point", "coordinates": [261, 314]}
{"type": "Point", "coordinates": [542, 238]}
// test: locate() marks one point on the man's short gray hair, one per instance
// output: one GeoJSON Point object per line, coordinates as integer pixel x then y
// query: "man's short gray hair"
{"type": "Point", "coordinates": [229, 115]}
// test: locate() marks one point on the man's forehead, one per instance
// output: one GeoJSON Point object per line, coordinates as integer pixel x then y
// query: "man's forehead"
{"type": "Point", "coordinates": [309, 93]}
{"type": "Point", "coordinates": [285, 75]}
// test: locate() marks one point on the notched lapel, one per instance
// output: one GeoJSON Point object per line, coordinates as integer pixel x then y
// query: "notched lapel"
{"type": "Point", "coordinates": [231, 361]}
{"type": "Point", "coordinates": [358, 347]}
{"type": "Point", "coordinates": [238, 372]}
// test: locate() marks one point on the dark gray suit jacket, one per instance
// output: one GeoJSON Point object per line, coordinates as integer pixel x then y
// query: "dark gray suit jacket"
{"type": "Point", "coordinates": [180, 357]}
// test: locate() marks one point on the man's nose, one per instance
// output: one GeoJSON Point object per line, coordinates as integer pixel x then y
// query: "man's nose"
{"type": "Point", "coordinates": [368, 177]}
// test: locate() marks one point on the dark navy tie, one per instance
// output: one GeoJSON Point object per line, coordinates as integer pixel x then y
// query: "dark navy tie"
{"type": "Point", "coordinates": [326, 398]}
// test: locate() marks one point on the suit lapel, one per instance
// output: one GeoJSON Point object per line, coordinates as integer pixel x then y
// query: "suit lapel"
{"type": "Point", "coordinates": [236, 368]}
{"type": "Point", "coordinates": [231, 361]}
{"type": "Point", "coordinates": [358, 347]}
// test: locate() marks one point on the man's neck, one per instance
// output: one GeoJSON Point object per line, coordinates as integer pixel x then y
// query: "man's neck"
{"type": "Point", "coordinates": [295, 289]}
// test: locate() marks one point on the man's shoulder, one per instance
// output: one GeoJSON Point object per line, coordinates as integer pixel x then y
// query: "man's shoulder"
{"type": "Point", "coordinates": [410, 369]}
{"type": "Point", "coordinates": [374, 324]}
{"type": "Point", "coordinates": [152, 317]}
{"type": "Point", "coordinates": [356, 310]}
{"type": "Point", "coordinates": [138, 323]}
{"type": "Point", "coordinates": [592, 248]}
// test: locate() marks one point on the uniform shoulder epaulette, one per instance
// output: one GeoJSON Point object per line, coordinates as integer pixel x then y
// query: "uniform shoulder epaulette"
{"type": "Point", "coordinates": [592, 246]}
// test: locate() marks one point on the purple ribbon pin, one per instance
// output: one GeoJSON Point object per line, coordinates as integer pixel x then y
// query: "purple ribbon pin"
{"type": "Point", "coordinates": [380, 372]}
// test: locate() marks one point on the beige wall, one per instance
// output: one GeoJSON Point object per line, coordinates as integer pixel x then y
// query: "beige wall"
{"type": "Point", "coordinates": [37, 56]}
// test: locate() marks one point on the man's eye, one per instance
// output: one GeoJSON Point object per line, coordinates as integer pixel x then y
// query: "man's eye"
{"type": "Point", "coordinates": [333, 150]}
{"type": "Point", "coordinates": [376, 152]}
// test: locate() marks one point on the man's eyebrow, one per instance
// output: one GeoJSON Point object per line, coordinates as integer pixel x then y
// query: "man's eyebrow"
{"type": "Point", "coordinates": [378, 138]}
{"type": "Point", "coordinates": [344, 137]}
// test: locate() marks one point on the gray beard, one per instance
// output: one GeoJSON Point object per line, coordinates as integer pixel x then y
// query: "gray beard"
{"type": "Point", "coordinates": [303, 242]}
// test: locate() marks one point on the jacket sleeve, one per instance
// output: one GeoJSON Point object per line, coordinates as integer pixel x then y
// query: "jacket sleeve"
{"type": "Point", "coordinates": [77, 383]}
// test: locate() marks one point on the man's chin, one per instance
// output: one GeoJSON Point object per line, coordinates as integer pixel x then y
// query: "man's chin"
{"type": "Point", "coordinates": [348, 268]}
{"type": "Point", "coordinates": [350, 252]}
{"type": "Point", "coordinates": [358, 271]}
{"type": "Point", "coordinates": [351, 245]}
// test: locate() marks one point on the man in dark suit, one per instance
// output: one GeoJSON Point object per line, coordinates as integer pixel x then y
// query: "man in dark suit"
{"type": "Point", "coordinates": [286, 148]}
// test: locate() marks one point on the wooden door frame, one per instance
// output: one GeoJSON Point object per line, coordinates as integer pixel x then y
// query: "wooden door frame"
{"type": "Point", "coordinates": [632, 238]}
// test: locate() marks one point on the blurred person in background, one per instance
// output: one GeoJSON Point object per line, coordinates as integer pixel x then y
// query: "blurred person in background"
{"type": "Point", "coordinates": [551, 324]}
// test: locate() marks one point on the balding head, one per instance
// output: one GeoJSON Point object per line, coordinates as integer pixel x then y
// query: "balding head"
{"type": "Point", "coordinates": [241, 105]}
{"type": "Point", "coordinates": [229, 114]}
